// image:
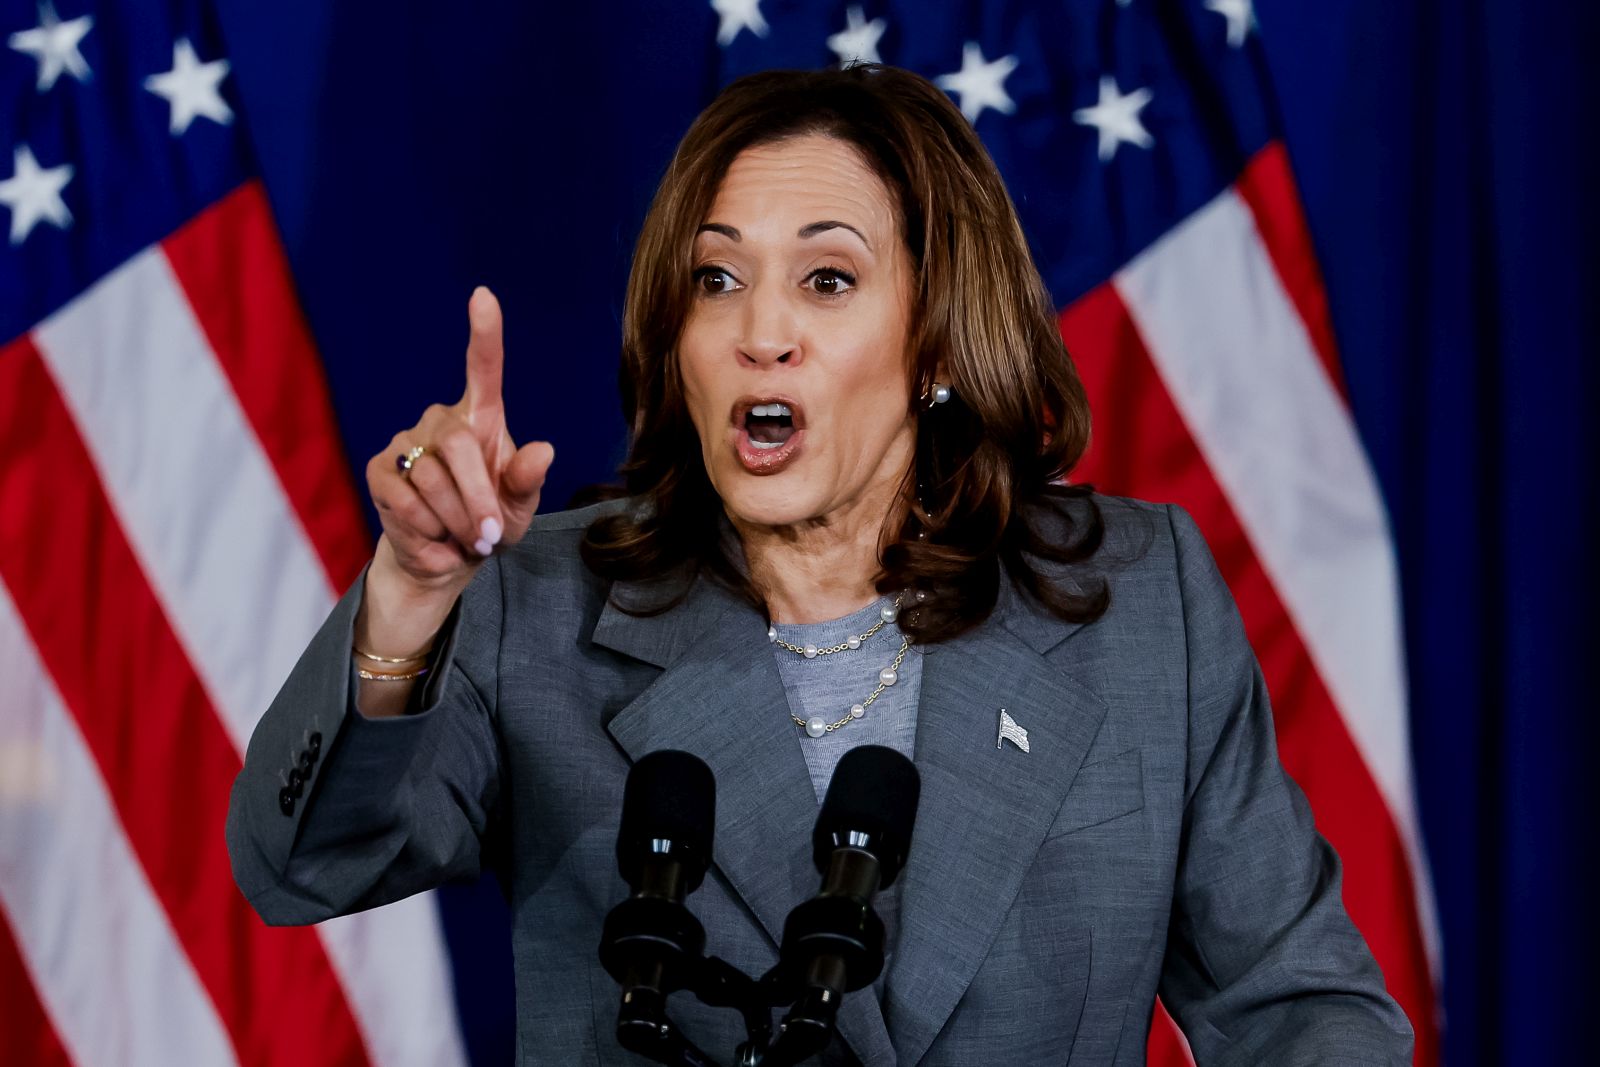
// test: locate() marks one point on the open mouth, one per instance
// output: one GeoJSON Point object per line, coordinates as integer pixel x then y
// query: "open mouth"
{"type": "Point", "coordinates": [767, 432]}
{"type": "Point", "coordinates": [769, 425]}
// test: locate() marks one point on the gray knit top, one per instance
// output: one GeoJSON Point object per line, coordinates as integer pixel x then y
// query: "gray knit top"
{"type": "Point", "coordinates": [828, 685]}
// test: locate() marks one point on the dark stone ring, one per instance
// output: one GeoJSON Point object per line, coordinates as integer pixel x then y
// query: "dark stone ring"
{"type": "Point", "coordinates": [408, 459]}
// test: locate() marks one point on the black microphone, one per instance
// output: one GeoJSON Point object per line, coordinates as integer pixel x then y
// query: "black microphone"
{"type": "Point", "coordinates": [833, 943]}
{"type": "Point", "coordinates": [651, 943]}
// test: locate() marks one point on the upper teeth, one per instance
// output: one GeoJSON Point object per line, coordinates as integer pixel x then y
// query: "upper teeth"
{"type": "Point", "coordinates": [771, 410]}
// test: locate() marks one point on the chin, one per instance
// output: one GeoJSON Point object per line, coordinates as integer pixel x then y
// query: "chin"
{"type": "Point", "coordinates": [769, 501]}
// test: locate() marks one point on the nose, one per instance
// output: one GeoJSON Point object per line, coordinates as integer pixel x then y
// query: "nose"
{"type": "Point", "coordinates": [768, 331]}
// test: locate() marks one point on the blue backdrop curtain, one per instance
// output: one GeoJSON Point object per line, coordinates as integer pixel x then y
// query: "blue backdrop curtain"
{"type": "Point", "coordinates": [1452, 200]}
{"type": "Point", "coordinates": [1443, 154]}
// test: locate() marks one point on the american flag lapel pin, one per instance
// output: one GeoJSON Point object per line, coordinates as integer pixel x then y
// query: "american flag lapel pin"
{"type": "Point", "coordinates": [1010, 731]}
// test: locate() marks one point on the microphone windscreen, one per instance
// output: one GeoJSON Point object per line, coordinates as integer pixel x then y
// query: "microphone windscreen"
{"type": "Point", "coordinates": [874, 791]}
{"type": "Point", "coordinates": [670, 796]}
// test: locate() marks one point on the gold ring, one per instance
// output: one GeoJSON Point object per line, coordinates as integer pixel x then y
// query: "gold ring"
{"type": "Point", "coordinates": [408, 459]}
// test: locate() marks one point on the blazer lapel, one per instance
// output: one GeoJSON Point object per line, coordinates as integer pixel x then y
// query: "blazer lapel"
{"type": "Point", "coordinates": [984, 809]}
{"type": "Point", "coordinates": [721, 698]}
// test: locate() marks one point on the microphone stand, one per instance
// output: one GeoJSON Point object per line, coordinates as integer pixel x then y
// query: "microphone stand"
{"type": "Point", "coordinates": [805, 1031]}
{"type": "Point", "coordinates": [832, 943]}
{"type": "Point", "coordinates": [645, 1028]}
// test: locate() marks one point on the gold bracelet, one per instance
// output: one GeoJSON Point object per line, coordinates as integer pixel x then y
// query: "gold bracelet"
{"type": "Point", "coordinates": [418, 658]}
{"type": "Point", "coordinates": [378, 676]}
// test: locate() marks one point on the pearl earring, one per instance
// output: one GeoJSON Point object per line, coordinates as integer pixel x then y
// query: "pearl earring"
{"type": "Point", "coordinates": [938, 394]}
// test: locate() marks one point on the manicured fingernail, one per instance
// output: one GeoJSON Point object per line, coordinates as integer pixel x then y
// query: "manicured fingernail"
{"type": "Point", "coordinates": [483, 548]}
{"type": "Point", "coordinates": [490, 528]}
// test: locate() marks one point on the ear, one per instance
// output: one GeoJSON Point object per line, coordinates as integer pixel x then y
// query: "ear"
{"type": "Point", "coordinates": [922, 382]}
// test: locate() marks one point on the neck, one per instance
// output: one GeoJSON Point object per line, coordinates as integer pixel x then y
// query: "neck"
{"type": "Point", "coordinates": [818, 570]}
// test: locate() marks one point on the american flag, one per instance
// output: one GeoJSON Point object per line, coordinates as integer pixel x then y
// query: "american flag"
{"type": "Point", "coordinates": [177, 511]}
{"type": "Point", "coordinates": [176, 516]}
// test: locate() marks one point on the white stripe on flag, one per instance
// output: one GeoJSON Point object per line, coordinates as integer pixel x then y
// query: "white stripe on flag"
{"type": "Point", "coordinates": [186, 475]}
{"type": "Point", "coordinates": [392, 962]}
{"type": "Point", "coordinates": [237, 577]}
{"type": "Point", "coordinates": [1240, 367]}
{"type": "Point", "coordinates": [106, 962]}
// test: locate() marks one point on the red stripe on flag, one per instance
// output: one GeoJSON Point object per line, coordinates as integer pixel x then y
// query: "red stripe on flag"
{"type": "Point", "coordinates": [232, 269]}
{"type": "Point", "coordinates": [155, 738]}
{"type": "Point", "coordinates": [1143, 448]}
{"type": "Point", "coordinates": [1166, 1046]}
{"type": "Point", "coordinates": [1267, 187]}
{"type": "Point", "coordinates": [30, 1037]}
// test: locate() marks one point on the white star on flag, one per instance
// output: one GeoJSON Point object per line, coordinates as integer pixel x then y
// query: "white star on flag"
{"type": "Point", "coordinates": [1116, 117]}
{"type": "Point", "coordinates": [981, 84]}
{"type": "Point", "coordinates": [192, 88]}
{"type": "Point", "coordinates": [55, 45]}
{"type": "Point", "coordinates": [858, 41]}
{"type": "Point", "coordinates": [1241, 17]}
{"type": "Point", "coordinates": [738, 15]}
{"type": "Point", "coordinates": [34, 195]}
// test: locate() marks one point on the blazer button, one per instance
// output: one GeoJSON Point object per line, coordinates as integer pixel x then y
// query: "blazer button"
{"type": "Point", "coordinates": [305, 764]}
{"type": "Point", "coordinates": [314, 744]}
{"type": "Point", "coordinates": [286, 801]}
{"type": "Point", "coordinates": [297, 782]}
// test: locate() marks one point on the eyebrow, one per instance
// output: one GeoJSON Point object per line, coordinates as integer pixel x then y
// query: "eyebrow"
{"type": "Point", "coordinates": [832, 224]}
{"type": "Point", "coordinates": [808, 231]}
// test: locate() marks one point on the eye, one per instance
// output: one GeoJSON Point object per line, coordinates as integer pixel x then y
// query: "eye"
{"type": "Point", "coordinates": [714, 280]}
{"type": "Point", "coordinates": [830, 281]}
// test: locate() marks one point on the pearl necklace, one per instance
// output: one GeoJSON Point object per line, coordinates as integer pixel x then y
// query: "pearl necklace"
{"type": "Point", "coordinates": [816, 725]}
{"type": "Point", "coordinates": [887, 613]}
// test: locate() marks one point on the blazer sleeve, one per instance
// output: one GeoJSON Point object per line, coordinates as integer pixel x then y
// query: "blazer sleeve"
{"type": "Point", "coordinates": [1263, 964]}
{"type": "Point", "coordinates": [383, 808]}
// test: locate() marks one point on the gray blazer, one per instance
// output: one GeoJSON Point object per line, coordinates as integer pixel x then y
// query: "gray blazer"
{"type": "Point", "coordinates": [1148, 841]}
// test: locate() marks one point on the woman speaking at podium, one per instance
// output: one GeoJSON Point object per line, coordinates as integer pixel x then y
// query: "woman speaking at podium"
{"type": "Point", "coordinates": [845, 520]}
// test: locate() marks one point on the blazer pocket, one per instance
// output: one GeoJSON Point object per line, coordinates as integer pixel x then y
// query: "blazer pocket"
{"type": "Point", "coordinates": [1104, 790]}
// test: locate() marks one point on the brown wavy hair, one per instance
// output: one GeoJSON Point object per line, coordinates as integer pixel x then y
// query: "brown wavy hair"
{"type": "Point", "coordinates": [988, 463]}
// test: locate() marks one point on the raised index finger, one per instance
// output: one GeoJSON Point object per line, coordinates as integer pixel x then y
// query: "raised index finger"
{"type": "Point", "coordinates": [485, 352]}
